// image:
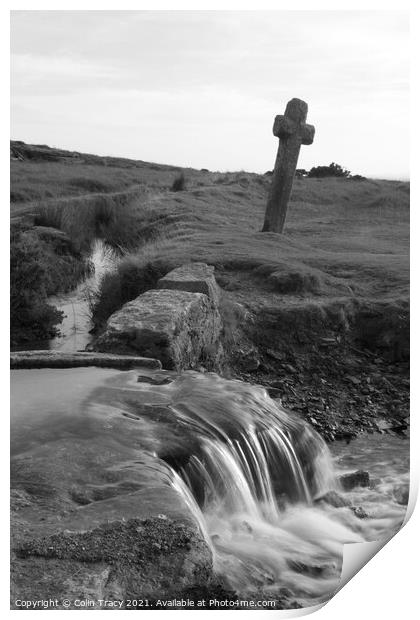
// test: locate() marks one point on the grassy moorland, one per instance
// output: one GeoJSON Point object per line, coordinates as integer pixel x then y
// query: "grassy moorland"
{"type": "Point", "coordinates": [338, 276]}
{"type": "Point", "coordinates": [41, 172]}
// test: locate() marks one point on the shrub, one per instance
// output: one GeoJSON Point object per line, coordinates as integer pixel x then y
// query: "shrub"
{"type": "Point", "coordinates": [179, 183]}
{"type": "Point", "coordinates": [31, 318]}
{"type": "Point", "coordinates": [43, 262]}
{"type": "Point", "coordinates": [333, 170]}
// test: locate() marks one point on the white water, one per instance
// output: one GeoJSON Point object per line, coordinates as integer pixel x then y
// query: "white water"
{"type": "Point", "coordinates": [256, 479]}
{"type": "Point", "coordinates": [263, 544]}
{"type": "Point", "coordinates": [248, 471]}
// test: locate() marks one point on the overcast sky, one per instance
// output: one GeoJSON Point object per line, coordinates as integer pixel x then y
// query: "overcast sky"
{"type": "Point", "coordinates": [202, 88]}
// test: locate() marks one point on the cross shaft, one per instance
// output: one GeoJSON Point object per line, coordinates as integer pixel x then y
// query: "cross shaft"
{"type": "Point", "coordinates": [292, 131]}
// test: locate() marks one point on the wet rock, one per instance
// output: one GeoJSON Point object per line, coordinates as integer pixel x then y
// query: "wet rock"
{"type": "Point", "coordinates": [359, 512]}
{"type": "Point", "coordinates": [60, 580]}
{"type": "Point", "coordinates": [346, 436]}
{"type": "Point", "coordinates": [334, 499]}
{"type": "Point", "coordinates": [181, 329]}
{"type": "Point", "coordinates": [401, 494]}
{"type": "Point", "coordinates": [359, 478]}
{"type": "Point", "coordinates": [274, 392]}
{"type": "Point", "coordinates": [313, 570]}
{"type": "Point", "coordinates": [194, 278]}
{"type": "Point", "coordinates": [385, 425]}
{"type": "Point", "coordinates": [154, 380]}
{"type": "Point", "coordinates": [132, 559]}
{"type": "Point", "coordinates": [60, 359]}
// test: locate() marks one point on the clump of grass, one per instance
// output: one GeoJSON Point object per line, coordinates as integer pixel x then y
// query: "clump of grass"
{"type": "Point", "coordinates": [179, 183]}
{"type": "Point", "coordinates": [70, 217]}
{"type": "Point", "coordinates": [234, 317]}
{"type": "Point", "coordinates": [295, 282]}
{"type": "Point", "coordinates": [31, 318]}
{"type": "Point", "coordinates": [135, 274]}
{"type": "Point", "coordinates": [115, 218]}
{"type": "Point", "coordinates": [292, 278]}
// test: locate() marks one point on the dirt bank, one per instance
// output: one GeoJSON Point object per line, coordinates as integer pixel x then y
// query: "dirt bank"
{"type": "Point", "coordinates": [343, 364]}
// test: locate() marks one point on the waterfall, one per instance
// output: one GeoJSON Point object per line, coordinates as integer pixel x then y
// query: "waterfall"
{"type": "Point", "coordinates": [251, 474]}
{"type": "Point", "coordinates": [254, 483]}
{"type": "Point", "coordinates": [251, 450]}
{"type": "Point", "coordinates": [251, 484]}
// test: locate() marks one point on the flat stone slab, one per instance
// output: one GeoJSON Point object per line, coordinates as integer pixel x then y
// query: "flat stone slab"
{"type": "Point", "coordinates": [116, 561]}
{"type": "Point", "coordinates": [95, 513]}
{"type": "Point", "coordinates": [59, 359]}
{"type": "Point", "coordinates": [193, 277]}
{"type": "Point", "coordinates": [178, 328]}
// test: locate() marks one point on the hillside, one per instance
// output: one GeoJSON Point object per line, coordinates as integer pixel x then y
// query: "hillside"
{"type": "Point", "coordinates": [344, 233]}
{"type": "Point", "coordinates": [337, 278]}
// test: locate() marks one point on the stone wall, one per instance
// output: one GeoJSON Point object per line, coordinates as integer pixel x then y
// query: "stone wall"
{"type": "Point", "coordinates": [178, 323]}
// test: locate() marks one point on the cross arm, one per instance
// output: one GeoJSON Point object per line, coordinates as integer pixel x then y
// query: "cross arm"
{"type": "Point", "coordinates": [308, 133]}
{"type": "Point", "coordinates": [283, 126]}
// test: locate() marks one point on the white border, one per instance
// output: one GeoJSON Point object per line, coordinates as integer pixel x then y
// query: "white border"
{"type": "Point", "coordinates": [387, 585]}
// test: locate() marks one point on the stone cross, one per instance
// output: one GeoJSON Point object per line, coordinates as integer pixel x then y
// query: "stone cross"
{"type": "Point", "coordinates": [292, 131]}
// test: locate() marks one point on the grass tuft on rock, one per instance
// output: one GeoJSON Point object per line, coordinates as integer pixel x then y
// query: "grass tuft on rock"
{"type": "Point", "coordinates": [179, 183]}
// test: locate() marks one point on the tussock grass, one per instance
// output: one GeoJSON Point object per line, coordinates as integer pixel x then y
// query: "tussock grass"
{"type": "Point", "coordinates": [179, 183]}
{"type": "Point", "coordinates": [115, 218]}
{"type": "Point", "coordinates": [130, 280]}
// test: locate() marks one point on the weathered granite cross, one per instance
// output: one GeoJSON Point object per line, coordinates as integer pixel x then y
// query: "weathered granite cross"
{"type": "Point", "coordinates": [292, 131]}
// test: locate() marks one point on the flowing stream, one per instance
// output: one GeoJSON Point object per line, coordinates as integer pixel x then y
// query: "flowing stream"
{"type": "Point", "coordinates": [251, 475]}
{"type": "Point", "coordinates": [74, 331]}
{"type": "Point", "coordinates": [76, 325]}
